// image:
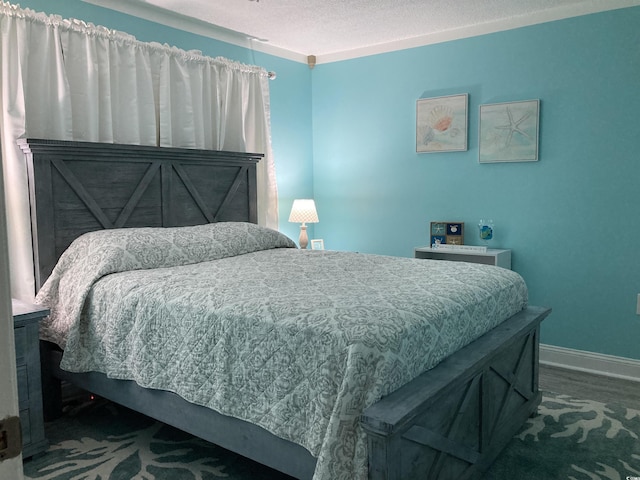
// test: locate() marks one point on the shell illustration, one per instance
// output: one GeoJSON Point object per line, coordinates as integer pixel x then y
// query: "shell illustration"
{"type": "Point", "coordinates": [440, 118]}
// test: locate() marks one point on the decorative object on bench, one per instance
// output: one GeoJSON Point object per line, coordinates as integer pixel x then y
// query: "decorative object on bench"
{"type": "Point", "coordinates": [485, 230]}
{"type": "Point", "coordinates": [446, 233]}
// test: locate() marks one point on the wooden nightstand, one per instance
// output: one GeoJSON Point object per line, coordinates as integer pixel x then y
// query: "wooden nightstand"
{"type": "Point", "coordinates": [26, 319]}
{"type": "Point", "coordinates": [499, 258]}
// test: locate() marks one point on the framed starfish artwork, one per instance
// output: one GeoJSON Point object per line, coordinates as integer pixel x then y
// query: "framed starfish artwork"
{"type": "Point", "coordinates": [509, 132]}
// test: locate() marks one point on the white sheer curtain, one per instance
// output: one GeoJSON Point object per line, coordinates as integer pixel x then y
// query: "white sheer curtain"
{"type": "Point", "coordinates": [68, 80]}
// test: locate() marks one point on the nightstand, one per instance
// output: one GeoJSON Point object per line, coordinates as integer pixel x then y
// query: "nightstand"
{"type": "Point", "coordinates": [26, 319]}
{"type": "Point", "coordinates": [499, 258]}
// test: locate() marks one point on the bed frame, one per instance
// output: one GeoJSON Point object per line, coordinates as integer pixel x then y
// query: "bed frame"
{"type": "Point", "coordinates": [450, 422]}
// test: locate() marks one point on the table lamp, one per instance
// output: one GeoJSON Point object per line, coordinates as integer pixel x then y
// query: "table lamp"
{"type": "Point", "coordinates": [303, 211]}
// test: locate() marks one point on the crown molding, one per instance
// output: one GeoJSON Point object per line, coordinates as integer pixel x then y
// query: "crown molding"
{"type": "Point", "coordinates": [200, 27]}
{"type": "Point", "coordinates": [196, 26]}
{"type": "Point", "coordinates": [550, 15]}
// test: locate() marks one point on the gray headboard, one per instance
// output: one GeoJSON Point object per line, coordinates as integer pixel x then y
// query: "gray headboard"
{"type": "Point", "coordinates": [78, 187]}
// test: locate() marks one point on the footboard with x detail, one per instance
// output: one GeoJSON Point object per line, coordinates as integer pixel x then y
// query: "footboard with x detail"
{"type": "Point", "coordinates": [454, 420]}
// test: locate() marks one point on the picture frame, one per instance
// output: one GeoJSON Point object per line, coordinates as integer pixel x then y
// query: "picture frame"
{"type": "Point", "coordinates": [442, 124]}
{"type": "Point", "coordinates": [509, 132]}
{"type": "Point", "coordinates": [317, 244]}
{"type": "Point", "coordinates": [446, 233]}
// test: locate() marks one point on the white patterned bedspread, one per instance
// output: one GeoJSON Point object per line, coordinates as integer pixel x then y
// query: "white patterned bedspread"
{"type": "Point", "coordinates": [296, 341]}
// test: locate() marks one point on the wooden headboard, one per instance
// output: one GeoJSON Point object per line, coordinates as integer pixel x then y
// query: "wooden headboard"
{"type": "Point", "coordinates": [78, 187]}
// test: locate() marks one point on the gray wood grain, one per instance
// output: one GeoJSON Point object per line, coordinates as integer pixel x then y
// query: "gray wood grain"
{"type": "Point", "coordinates": [26, 318]}
{"type": "Point", "coordinates": [453, 420]}
{"type": "Point", "coordinates": [77, 187]}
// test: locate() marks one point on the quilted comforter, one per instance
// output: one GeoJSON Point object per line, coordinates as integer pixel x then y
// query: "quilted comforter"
{"type": "Point", "coordinates": [231, 317]}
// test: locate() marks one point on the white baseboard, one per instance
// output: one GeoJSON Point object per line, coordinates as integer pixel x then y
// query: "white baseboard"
{"type": "Point", "coordinates": [596, 363]}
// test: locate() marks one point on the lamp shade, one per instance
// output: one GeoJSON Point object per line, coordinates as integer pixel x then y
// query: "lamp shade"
{"type": "Point", "coordinates": [304, 211]}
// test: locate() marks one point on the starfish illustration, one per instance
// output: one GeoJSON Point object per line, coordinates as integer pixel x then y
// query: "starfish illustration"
{"type": "Point", "coordinates": [514, 126]}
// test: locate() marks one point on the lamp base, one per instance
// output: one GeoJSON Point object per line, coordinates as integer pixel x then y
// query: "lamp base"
{"type": "Point", "coordinates": [303, 240]}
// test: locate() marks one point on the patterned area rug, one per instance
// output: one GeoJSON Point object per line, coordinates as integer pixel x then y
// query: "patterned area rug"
{"type": "Point", "coordinates": [574, 439]}
{"type": "Point", "coordinates": [569, 439]}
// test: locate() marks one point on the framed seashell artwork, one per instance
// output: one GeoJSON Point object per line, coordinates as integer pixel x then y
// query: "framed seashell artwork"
{"type": "Point", "coordinates": [509, 132]}
{"type": "Point", "coordinates": [441, 124]}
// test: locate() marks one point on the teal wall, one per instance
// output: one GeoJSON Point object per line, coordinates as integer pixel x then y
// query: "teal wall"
{"type": "Point", "coordinates": [345, 134]}
{"type": "Point", "coordinates": [571, 218]}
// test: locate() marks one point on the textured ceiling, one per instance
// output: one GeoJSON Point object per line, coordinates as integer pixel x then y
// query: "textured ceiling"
{"type": "Point", "coordinates": [333, 28]}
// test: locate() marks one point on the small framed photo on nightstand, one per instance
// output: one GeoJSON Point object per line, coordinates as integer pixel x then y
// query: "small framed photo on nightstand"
{"type": "Point", "coordinates": [317, 244]}
{"type": "Point", "coordinates": [447, 233]}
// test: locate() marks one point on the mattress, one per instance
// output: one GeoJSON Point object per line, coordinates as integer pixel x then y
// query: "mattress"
{"type": "Point", "coordinates": [233, 317]}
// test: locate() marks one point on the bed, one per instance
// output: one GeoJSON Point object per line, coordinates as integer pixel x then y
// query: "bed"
{"type": "Point", "coordinates": [353, 391]}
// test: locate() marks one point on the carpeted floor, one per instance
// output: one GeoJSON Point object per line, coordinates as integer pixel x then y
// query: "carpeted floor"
{"type": "Point", "coordinates": [569, 439]}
